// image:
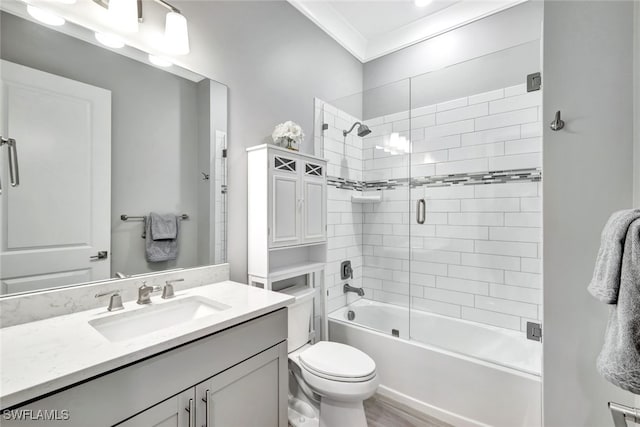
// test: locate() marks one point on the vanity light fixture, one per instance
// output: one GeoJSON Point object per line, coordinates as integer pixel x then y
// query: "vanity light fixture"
{"type": "Point", "coordinates": [422, 3]}
{"type": "Point", "coordinates": [110, 40]}
{"type": "Point", "coordinates": [160, 61]}
{"type": "Point", "coordinates": [123, 15]}
{"type": "Point", "coordinates": [176, 33]}
{"type": "Point", "coordinates": [45, 16]}
{"type": "Point", "coordinates": [126, 14]}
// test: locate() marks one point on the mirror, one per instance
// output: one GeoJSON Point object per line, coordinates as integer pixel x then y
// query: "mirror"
{"type": "Point", "coordinates": [102, 140]}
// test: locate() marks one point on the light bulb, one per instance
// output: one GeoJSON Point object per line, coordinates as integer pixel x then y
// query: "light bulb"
{"type": "Point", "coordinates": [176, 34]}
{"type": "Point", "coordinates": [110, 40]}
{"type": "Point", "coordinates": [123, 15]}
{"type": "Point", "coordinates": [160, 61]}
{"type": "Point", "coordinates": [45, 16]}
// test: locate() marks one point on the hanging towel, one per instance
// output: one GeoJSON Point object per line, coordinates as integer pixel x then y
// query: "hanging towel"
{"type": "Point", "coordinates": [619, 360]}
{"type": "Point", "coordinates": [606, 275]}
{"type": "Point", "coordinates": [161, 237]}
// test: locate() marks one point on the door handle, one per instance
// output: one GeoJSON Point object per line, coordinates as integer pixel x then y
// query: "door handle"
{"type": "Point", "coordinates": [101, 255]}
{"type": "Point", "coordinates": [207, 408]}
{"type": "Point", "coordinates": [192, 413]}
{"type": "Point", "coordinates": [14, 171]}
{"type": "Point", "coordinates": [421, 213]}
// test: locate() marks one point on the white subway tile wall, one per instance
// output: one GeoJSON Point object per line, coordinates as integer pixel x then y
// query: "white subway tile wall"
{"type": "Point", "coordinates": [478, 254]}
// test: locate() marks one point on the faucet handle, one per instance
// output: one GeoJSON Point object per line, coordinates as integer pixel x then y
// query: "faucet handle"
{"type": "Point", "coordinates": [167, 291]}
{"type": "Point", "coordinates": [115, 302]}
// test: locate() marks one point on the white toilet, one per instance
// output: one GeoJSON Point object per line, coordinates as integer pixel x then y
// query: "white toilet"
{"type": "Point", "coordinates": [330, 380]}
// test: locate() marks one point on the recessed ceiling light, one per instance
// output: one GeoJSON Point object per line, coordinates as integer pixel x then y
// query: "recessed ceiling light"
{"type": "Point", "coordinates": [422, 3]}
{"type": "Point", "coordinates": [45, 17]}
{"type": "Point", "coordinates": [110, 40]}
{"type": "Point", "coordinates": [160, 61]}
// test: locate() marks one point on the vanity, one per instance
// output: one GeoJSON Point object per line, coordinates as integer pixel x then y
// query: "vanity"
{"type": "Point", "coordinates": [218, 359]}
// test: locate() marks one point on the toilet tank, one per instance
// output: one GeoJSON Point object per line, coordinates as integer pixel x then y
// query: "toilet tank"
{"type": "Point", "coordinates": [299, 316]}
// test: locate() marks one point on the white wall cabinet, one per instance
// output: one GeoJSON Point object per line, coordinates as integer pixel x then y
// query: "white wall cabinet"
{"type": "Point", "coordinates": [297, 211]}
{"type": "Point", "coordinates": [236, 377]}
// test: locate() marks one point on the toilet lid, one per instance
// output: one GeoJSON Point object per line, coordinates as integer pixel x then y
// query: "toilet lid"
{"type": "Point", "coordinates": [339, 361]}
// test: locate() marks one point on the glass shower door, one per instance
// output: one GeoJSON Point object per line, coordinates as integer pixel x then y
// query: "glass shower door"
{"type": "Point", "coordinates": [476, 167]}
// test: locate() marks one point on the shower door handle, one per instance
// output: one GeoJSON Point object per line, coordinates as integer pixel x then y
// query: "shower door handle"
{"type": "Point", "coordinates": [421, 211]}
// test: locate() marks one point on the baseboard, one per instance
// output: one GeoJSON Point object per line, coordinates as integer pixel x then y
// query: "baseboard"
{"type": "Point", "coordinates": [425, 408]}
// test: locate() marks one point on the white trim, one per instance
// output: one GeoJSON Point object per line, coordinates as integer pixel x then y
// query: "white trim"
{"type": "Point", "coordinates": [333, 23]}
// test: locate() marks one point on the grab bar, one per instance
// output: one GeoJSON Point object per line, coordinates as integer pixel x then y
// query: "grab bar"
{"type": "Point", "coordinates": [421, 213]}
{"type": "Point", "coordinates": [621, 413]}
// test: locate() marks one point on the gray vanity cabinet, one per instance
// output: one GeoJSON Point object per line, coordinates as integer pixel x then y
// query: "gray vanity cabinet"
{"type": "Point", "coordinates": [170, 413]}
{"type": "Point", "coordinates": [234, 378]}
{"type": "Point", "coordinates": [246, 395]}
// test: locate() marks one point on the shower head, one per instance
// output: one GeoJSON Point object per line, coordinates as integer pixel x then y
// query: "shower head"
{"type": "Point", "coordinates": [363, 130]}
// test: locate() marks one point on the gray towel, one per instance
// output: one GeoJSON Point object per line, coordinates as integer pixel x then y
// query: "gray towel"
{"type": "Point", "coordinates": [161, 237]}
{"type": "Point", "coordinates": [619, 360]}
{"type": "Point", "coordinates": [606, 275]}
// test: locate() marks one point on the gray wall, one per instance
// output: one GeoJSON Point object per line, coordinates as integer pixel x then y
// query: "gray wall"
{"type": "Point", "coordinates": [275, 61]}
{"type": "Point", "coordinates": [515, 26]}
{"type": "Point", "coordinates": [587, 176]}
{"type": "Point", "coordinates": [154, 133]}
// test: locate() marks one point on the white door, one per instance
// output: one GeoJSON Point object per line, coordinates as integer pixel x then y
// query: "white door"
{"type": "Point", "coordinates": [173, 412]}
{"type": "Point", "coordinates": [285, 215]}
{"type": "Point", "coordinates": [314, 223]}
{"type": "Point", "coordinates": [57, 218]}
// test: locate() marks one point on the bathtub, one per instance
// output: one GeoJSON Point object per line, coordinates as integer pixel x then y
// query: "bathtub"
{"type": "Point", "coordinates": [461, 372]}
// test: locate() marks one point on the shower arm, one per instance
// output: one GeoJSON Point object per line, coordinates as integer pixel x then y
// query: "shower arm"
{"type": "Point", "coordinates": [345, 133]}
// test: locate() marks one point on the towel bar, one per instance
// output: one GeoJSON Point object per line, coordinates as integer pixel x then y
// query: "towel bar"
{"type": "Point", "coordinates": [124, 217]}
{"type": "Point", "coordinates": [622, 413]}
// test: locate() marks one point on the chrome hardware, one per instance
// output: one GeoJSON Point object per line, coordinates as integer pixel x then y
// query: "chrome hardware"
{"type": "Point", "coordinates": [101, 255]}
{"type": "Point", "coordinates": [14, 172]}
{"type": "Point", "coordinates": [115, 302]}
{"type": "Point", "coordinates": [205, 176]}
{"type": "Point", "coordinates": [346, 272]}
{"type": "Point", "coordinates": [167, 291]}
{"type": "Point", "coordinates": [207, 408]}
{"type": "Point", "coordinates": [557, 122]}
{"type": "Point", "coordinates": [351, 315]}
{"type": "Point", "coordinates": [192, 413]}
{"type": "Point", "coordinates": [534, 331]}
{"type": "Point", "coordinates": [534, 82]}
{"type": "Point", "coordinates": [125, 217]}
{"type": "Point", "coordinates": [421, 211]}
{"type": "Point", "coordinates": [144, 293]}
{"type": "Point", "coordinates": [348, 288]}
{"type": "Point", "coordinates": [121, 275]}
{"type": "Point", "coordinates": [621, 413]}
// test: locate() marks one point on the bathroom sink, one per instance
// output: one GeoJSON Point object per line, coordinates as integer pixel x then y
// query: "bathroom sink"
{"type": "Point", "coordinates": [154, 317]}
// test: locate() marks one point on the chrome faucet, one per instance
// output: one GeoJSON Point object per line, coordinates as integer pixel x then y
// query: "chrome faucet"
{"type": "Point", "coordinates": [348, 288]}
{"type": "Point", "coordinates": [115, 302]}
{"type": "Point", "coordinates": [144, 293]}
{"type": "Point", "coordinates": [167, 291]}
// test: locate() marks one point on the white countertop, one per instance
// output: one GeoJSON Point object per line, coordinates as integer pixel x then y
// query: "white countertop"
{"type": "Point", "coordinates": [47, 355]}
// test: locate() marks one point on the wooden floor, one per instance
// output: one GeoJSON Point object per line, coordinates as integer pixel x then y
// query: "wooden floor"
{"type": "Point", "coordinates": [382, 412]}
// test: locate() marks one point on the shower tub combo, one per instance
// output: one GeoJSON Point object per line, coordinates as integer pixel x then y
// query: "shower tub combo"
{"type": "Point", "coordinates": [464, 373]}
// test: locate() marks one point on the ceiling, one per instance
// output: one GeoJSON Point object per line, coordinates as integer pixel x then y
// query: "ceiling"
{"type": "Point", "coordinates": [370, 29]}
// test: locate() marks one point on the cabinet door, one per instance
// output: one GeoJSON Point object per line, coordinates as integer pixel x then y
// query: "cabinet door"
{"type": "Point", "coordinates": [252, 393]}
{"type": "Point", "coordinates": [314, 187]}
{"type": "Point", "coordinates": [285, 210]}
{"type": "Point", "coordinates": [178, 411]}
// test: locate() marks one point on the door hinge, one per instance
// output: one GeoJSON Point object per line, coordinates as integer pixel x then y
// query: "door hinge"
{"type": "Point", "coordinates": [534, 82]}
{"type": "Point", "coordinates": [534, 331]}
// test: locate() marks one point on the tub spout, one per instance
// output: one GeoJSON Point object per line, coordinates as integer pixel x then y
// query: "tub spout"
{"type": "Point", "coordinates": [348, 288]}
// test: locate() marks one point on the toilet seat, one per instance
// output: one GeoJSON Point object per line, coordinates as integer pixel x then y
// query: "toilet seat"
{"type": "Point", "coordinates": [337, 362]}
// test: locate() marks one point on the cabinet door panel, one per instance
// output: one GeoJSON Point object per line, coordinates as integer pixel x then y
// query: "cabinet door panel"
{"type": "Point", "coordinates": [172, 412]}
{"type": "Point", "coordinates": [314, 224]}
{"type": "Point", "coordinates": [285, 216]}
{"type": "Point", "coordinates": [246, 395]}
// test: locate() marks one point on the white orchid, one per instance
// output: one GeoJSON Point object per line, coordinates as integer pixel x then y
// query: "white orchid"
{"type": "Point", "coordinates": [288, 131]}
